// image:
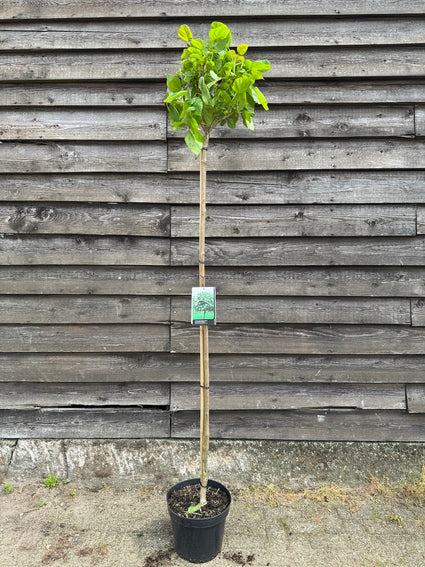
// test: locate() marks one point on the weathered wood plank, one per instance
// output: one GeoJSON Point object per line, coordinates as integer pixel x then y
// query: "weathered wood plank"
{"type": "Point", "coordinates": [81, 310]}
{"type": "Point", "coordinates": [268, 221]}
{"type": "Point", "coordinates": [302, 154]}
{"type": "Point", "coordinates": [323, 121]}
{"type": "Point", "coordinates": [239, 368]}
{"type": "Point", "coordinates": [96, 280]}
{"type": "Point", "coordinates": [132, 220]}
{"type": "Point", "coordinates": [110, 124]}
{"type": "Point", "coordinates": [334, 425]}
{"type": "Point", "coordinates": [122, 280]}
{"type": "Point", "coordinates": [420, 120]}
{"type": "Point", "coordinates": [301, 252]}
{"type": "Point", "coordinates": [266, 187]}
{"type": "Point", "coordinates": [269, 396]}
{"type": "Point", "coordinates": [21, 157]}
{"type": "Point", "coordinates": [421, 220]}
{"type": "Point", "coordinates": [276, 32]}
{"type": "Point", "coordinates": [295, 63]}
{"type": "Point", "coordinates": [21, 9]}
{"type": "Point", "coordinates": [415, 395]}
{"type": "Point", "coordinates": [19, 395]}
{"type": "Point", "coordinates": [84, 338]}
{"type": "Point", "coordinates": [301, 310]}
{"type": "Point", "coordinates": [127, 95]}
{"type": "Point", "coordinates": [130, 250]}
{"type": "Point", "coordinates": [418, 312]}
{"type": "Point", "coordinates": [84, 423]}
{"type": "Point", "coordinates": [303, 339]}
{"type": "Point", "coordinates": [360, 91]}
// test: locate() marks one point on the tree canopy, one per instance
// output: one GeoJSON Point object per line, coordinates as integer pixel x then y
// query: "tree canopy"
{"type": "Point", "coordinates": [215, 85]}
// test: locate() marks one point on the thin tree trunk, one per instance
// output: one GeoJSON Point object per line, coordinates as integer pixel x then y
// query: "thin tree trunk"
{"type": "Point", "coordinates": [203, 333]}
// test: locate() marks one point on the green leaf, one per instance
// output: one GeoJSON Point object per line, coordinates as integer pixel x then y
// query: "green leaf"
{"type": "Point", "coordinates": [174, 112]}
{"type": "Point", "coordinates": [193, 509]}
{"type": "Point", "coordinates": [242, 48]}
{"type": "Point", "coordinates": [247, 120]}
{"type": "Point", "coordinates": [259, 97]}
{"type": "Point", "coordinates": [262, 65]}
{"type": "Point", "coordinates": [192, 143]}
{"type": "Point", "coordinates": [241, 85]}
{"type": "Point", "coordinates": [205, 93]}
{"type": "Point", "coordinates": [173, 83]}
{"type": "Point", "coordinates": [175, 96]}
{"type": "Point", "coordinates": [220, 36]}
{"type": "Point", "coordinates": [232, 120]}
{"type": "Point", "coordinates": [196, 107]}
{"type": "Point", "coordinates": [184, 33]}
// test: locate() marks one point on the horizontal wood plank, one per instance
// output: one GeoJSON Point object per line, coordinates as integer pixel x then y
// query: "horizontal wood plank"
{"type": "Point", "coordinates": [303, 339]}
{"type": "Point", "coordinates": [302, 252]}
{"type": "Point", "coordinates": [86, 250]}
{"type": "Point", "coordinates": [46, 309]}
{"type": "Point", "coordinates": [415, 395]}
{"type": "Point", "coordinates": [276, 32]}
{"type": "Point", "coordinates": [119, 94]}
{"type": "Point", "coordinates": [239, 368]}
{"type": "Point", "coordinates": [128, 95]}
{"type": "Point", "coordinates": [322, 121]}
{"type": "Point", "coordinates": [293, 63]}
{"type": "Point", "coordinates": [247, 188]}
{"type": "Point", "coordinates": [67, 423]}
{"type": "Point", "coordinates": [132, 220]}
{"type": "Point", "coordinates": [164, 280]}
{"type": "Point", "coordinates": [21, 395]}
{"type": "Point", "coordinates": [359, 91]}
{"type": "Point", "coordinates": [96, 280]}
{"type": "Point", "coordinates": [104, 368]}
{"type": "Point", "coordinates": [302, 154]}
{"type": "Point", "coordinates": [301, 310]}
{"type": "Point", "coordinates": [266, 221]}
{"type": "Point", "coordinates": [84, 338]}
{"type": "Point", "coordinates": [20, 9]}
{"type": "Point", "coordinates": [265, 396]}
{"type": "Point", "coordinates": [22, 157]}
{"type": "Point", "coordinates": [94, 124]}
{"type": "Point", "coordinates": [334, 425]}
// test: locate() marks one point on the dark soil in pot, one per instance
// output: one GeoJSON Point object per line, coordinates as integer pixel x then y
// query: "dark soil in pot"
{"type": "Point", "coordinates": [181, 499]}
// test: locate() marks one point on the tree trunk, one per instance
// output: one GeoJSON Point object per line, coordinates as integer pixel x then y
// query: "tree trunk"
{"type": "Point", "coordinates": [203, 333]}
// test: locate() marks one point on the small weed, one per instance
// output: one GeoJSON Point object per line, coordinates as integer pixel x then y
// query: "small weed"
{"type": "Point", "coordinates": [8, 488]}
{"type": "Point", "coordinates": [381, 487]}
{"type": "Point", "coordinates": [52, 480]}
{"type": "Point", "coordinates": [283, 523]}
{"type": "Point", "coordinates": [396, 519]}
{"type": "Point", "coordinates": [270, 494]}
{"type": "Point", "coordinates": [72, 492]}
{"type": "Point", "coordinates": [415, 490]}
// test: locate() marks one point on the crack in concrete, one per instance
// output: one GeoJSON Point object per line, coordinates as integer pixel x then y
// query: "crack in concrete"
{"type": "Point", "coordinates": [65, 457]}
{"type": "Point", "coordinates": [12, 453]}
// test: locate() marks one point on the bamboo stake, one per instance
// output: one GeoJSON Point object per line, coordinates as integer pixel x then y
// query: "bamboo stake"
{"type": "Point", "coordinates": [203, 333]}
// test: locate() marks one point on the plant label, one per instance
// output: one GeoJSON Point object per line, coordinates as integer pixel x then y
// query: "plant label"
{"type": "Point", "coordinates": [203, 306]}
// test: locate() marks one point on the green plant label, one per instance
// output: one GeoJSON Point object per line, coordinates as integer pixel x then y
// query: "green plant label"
{"type": "Point", "coordinates": [203, 306]}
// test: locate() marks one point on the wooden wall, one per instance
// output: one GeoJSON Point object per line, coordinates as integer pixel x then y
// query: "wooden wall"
{"type": "Point", "coordinates": [316, 225]}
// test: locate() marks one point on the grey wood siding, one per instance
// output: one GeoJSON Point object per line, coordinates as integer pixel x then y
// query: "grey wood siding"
{"type": "Point", "coordinates": [315, 231]}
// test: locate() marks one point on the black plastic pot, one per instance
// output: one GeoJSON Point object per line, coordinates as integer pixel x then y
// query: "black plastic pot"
{"type": "Point", "coordinates": [198, 540]}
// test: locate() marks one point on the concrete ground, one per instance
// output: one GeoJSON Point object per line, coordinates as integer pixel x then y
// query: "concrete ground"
{"type": "Point", "coordinates": [78, 523]}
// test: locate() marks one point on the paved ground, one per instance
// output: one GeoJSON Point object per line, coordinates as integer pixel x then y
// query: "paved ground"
{"type": "Point", "coordinates": [70, 525]}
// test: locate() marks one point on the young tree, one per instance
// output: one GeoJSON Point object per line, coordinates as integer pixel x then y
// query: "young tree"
{"type": "Point", "coordinates": [214, 87]}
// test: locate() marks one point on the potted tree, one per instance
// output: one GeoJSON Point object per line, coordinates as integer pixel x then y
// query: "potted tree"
{"type": "Point", "coordinates": [215, 87]}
